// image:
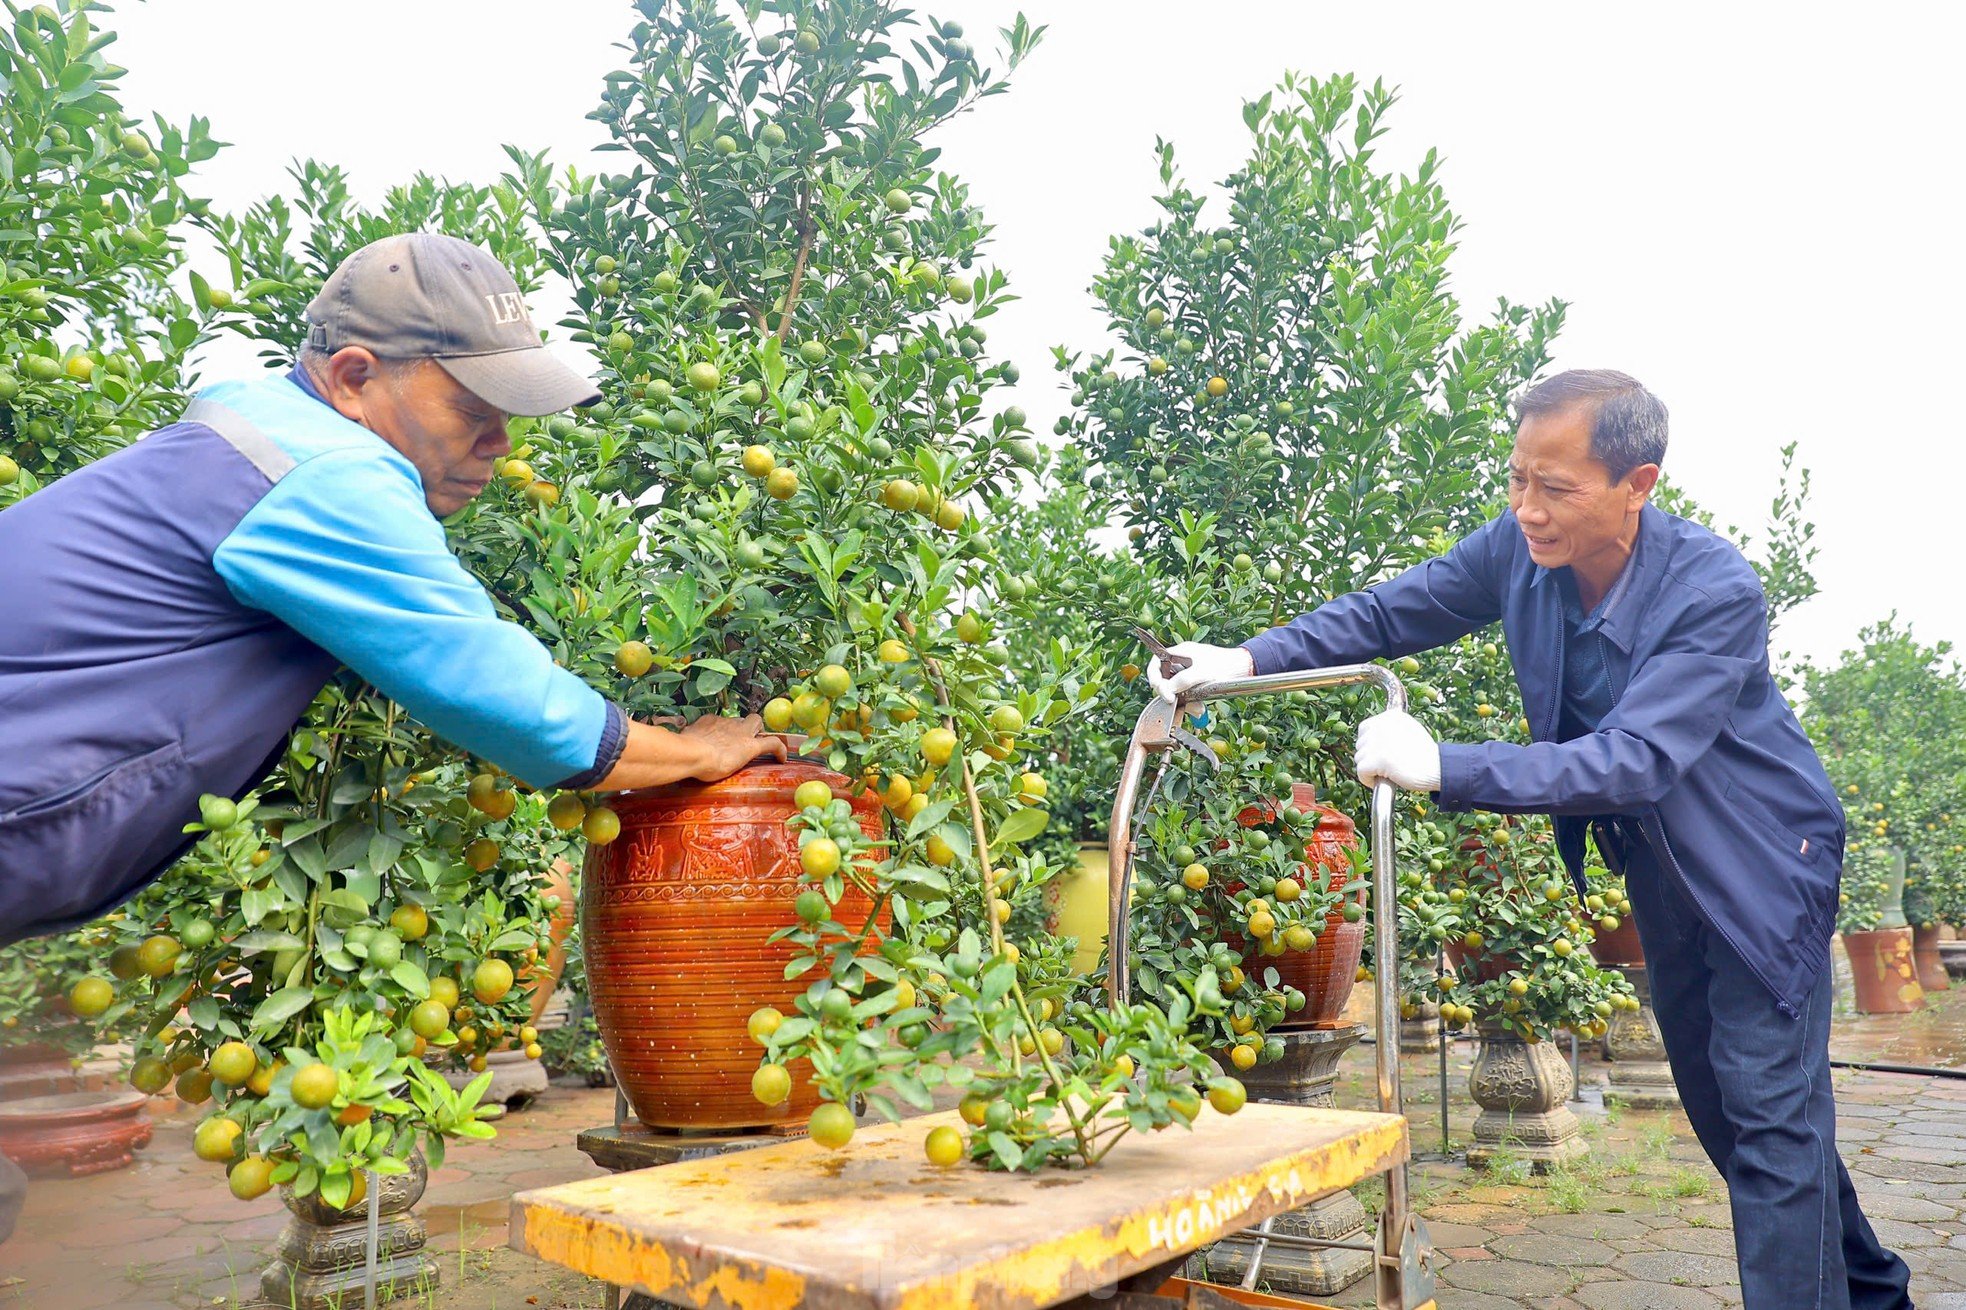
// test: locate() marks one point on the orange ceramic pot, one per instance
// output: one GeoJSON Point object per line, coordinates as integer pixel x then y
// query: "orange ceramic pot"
{"type": "Point", "coordinates": [675, 917]}
{"type": "Point", "coordinates": [1882, 969]}
{"type": "Point", "coordinates": [1926, 960]}
{"type": "Point", "coordinates": [74, 1134]}
{"type": "Point", "coordinates": [1619, 947]}
{"type": "Point", "coordinates": [1326, 972]}
{"type": "Point", "coordinates": [543, 977]}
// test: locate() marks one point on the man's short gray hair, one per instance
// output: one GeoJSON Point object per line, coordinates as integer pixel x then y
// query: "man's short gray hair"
{"type": "Point", "coordinates": [1628, 426]}
{"type": "Point", "coordinates": [314, 362]}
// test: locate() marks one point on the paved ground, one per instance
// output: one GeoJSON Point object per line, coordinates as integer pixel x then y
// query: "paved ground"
{"type": "Point", "coordinates": [1642, 1222]}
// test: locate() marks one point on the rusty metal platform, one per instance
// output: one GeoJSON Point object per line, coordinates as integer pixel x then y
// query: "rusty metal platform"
{"type": "Point", "coordinates": [875, 1227]}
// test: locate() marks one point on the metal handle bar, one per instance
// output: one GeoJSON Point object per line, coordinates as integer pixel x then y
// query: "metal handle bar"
{"type": "Point", "coordinates": [1155, 733]}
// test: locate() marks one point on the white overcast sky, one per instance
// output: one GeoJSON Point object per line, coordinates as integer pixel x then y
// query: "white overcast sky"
{"type": "Point", "coordinates": [1748, 206]}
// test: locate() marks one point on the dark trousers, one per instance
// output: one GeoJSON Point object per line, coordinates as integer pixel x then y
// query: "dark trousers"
{"type": "Point", "coordinates": [1756, 1084]}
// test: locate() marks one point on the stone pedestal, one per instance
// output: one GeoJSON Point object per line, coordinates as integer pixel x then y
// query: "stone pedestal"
{"type": "Point", "coordinates": [1421, 1034]}
{"type": "Point", "coordinates": [1304, 1076]}
{"type": "Point", "coordinates": [322, 1255]}
{"type": "Point", "coordinates": [1639, 1075]}
{"type": "Point", "coordinates": [1953, 955]}
{"type": "Point", "coordinates": [1523, 1092]}
{"type": "Point", "coordinates": [515, 1079]}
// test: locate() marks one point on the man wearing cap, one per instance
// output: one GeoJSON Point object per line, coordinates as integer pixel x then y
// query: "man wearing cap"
{"type": "Point", "coordinates": [173, 608]}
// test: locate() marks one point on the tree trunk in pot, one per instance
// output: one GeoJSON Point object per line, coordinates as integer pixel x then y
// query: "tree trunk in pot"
{"type": "Point", "coordinates": [321, 1259]}
{"type": "Point", "coordinates": [1523, 1091]}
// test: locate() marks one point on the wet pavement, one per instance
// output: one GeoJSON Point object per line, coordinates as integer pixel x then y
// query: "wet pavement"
{"type": "Point", "coordinates": [1641, 1221]}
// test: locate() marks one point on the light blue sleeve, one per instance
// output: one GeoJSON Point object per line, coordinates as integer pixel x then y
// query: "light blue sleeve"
{"type": "Point", "coordinates": [345, 551]}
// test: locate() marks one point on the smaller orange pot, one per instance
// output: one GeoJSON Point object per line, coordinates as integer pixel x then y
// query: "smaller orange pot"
{"type": "Point", "coordinates": [1926, 961]}
{"type": "Point", "coordinates": [1882, 968]}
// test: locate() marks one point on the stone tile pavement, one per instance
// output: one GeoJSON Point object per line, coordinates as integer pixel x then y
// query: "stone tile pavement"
{"type": "Point", "coordinates": [1640, 1223]}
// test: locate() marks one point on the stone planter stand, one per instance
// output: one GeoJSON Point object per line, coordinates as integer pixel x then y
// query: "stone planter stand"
{"type": "Point", "coordinates": [515, 1079]}
{"type": "Point", "coordinates": [1421, 1034]}
{"type": "Point", "coordinates": [322, 1253]}
{"type": "Point", "coordinates": [1953, 956]}
{"type": "Point", "coordinates": [1523, 1092]}
{"type": "Point", "coordinates": [1304, 1076]}
{"type": "Point", "coordinates": [1639, 1074]}
{"type": "Point", "coordinates": [74, 1134]}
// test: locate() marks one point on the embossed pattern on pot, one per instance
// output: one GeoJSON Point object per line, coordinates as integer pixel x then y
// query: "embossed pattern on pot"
{"type": "Point", "coordinates": [675, 917]}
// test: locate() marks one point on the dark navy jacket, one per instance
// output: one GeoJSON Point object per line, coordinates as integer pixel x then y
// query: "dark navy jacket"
{"type": "Point", "coordinates": [167, 613]}
{"type": "Point", "coordinates": [1700, 750]}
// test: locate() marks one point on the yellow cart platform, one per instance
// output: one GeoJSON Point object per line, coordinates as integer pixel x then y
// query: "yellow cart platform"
{"type": "Point", "coordinates": [878, 1228]}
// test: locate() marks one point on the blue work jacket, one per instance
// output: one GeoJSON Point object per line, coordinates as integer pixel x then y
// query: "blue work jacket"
{"type": "Point", "coordinates": [167, 613]}
{"type": "Point", "coordinates": [1700, 751]}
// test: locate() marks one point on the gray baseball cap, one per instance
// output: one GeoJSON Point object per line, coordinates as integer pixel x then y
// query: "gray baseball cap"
{"type": "Point", "coordinates": [425, 295]}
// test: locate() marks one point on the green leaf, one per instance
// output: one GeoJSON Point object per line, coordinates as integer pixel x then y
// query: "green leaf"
{"type": "Point", "coordinates": [309, 856]}
{"type": "Point", "coordinates": [1021, 826]}
{"type": "Point", "coordinates": [280, 1007]}
{"type": "Point", "coordinates": [267, 939]}
{"type": "Point", "coordinates": [513, 939]}
{"type": "Point", "coordinates": [411, 979]}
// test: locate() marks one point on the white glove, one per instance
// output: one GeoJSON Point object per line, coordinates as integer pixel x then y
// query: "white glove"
{"type": "Point", "coordinates": [1392, 745]}
{"type": "Point", "coordinates": [1211, 664]}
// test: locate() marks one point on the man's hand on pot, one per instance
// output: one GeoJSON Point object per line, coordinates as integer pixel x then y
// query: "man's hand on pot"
{"type": "Point", "coordinates": [726, 745]}
{"type": "Point", "coordinates": [1211, 664]}
{"type": "Point", "coordinates": [1394, 746]}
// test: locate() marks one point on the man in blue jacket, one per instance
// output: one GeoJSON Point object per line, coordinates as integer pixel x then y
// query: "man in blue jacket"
{"type": "Point", "coordinates": [171, 610]}
{"type": "Point", "coordinates": [1640, 646]}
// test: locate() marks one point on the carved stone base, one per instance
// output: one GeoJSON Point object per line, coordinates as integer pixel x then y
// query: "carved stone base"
{"type": "Point", "coordinates": [1639, 1075]}
{"type": "Point", "coordinates": [1421, 1034]}
{"type": "Point", "coordinates": [1304, 1076]}
{"type": "Point", "coordinates": [74, 1134]}
{"type": "Point", "coordinates": [1309, 1068]}
{"type": "Point", "coordinates": [1522, 1091]}
{"type": "Point", "coordinates": [1293, 1270]}
{"type": "Point", "coordinates": [322, 1254]}
{"type": "Point", "coordinates": [515, 1079]}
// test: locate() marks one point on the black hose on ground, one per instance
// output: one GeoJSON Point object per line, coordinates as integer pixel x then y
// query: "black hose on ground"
{"type": "Point", "coordinates": [1875, 1066]}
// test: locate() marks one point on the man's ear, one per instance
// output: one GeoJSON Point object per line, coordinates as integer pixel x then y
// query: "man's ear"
{"type": "Point", "coordinates": [1639, 484]}
{"type": "Point", "coordinates": [346, 378]}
